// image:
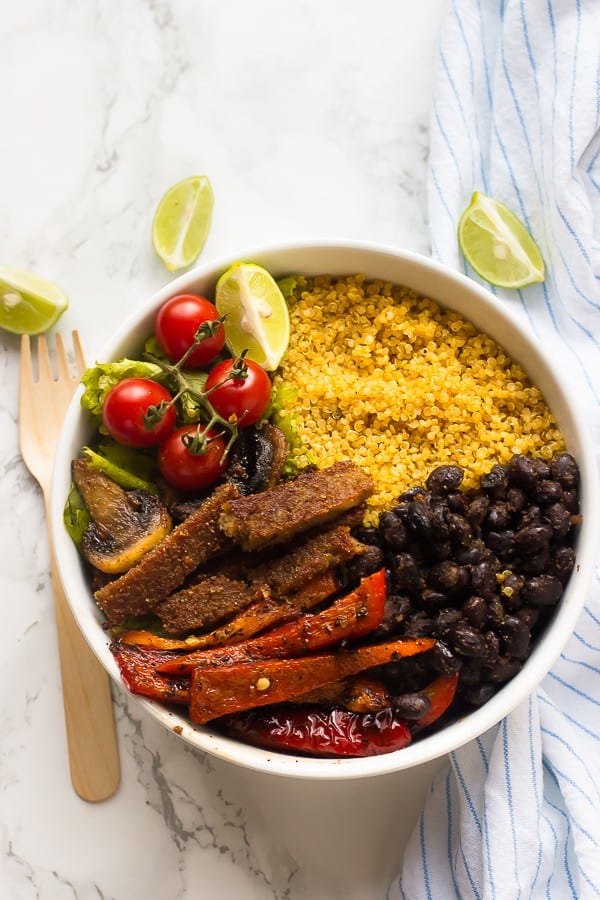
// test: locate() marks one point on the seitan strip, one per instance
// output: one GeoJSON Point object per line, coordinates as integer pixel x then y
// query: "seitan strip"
{"type": "Point", "coordinates": [164, 569]}
{"type": "Point", "coordinates": [292, 507]}
{"type": "Point", "coordinates": [289, 572]}
{"type": "Point", "coordinates": [206, 604]}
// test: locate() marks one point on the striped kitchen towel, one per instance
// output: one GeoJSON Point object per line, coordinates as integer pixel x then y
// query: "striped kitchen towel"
{"type": "Point", "coordinates": [516, 115]}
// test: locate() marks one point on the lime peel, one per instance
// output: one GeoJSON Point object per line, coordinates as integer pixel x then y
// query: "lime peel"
{"type": "Point", "coordinates": [29, 304]}
{"type": "Point", "coordinates": [182, 221]}
{"type": "Point", "coordinates": [497, 245]}
{"type": "Point", "coordinates": [257, 318]}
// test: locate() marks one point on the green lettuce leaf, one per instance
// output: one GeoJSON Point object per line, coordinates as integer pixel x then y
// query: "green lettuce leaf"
{"type": "Point", "coordinates": [75, 516]}
{"type": "Point", "coordinates": [121, 465]}
{"type": "Point", "coordinates": [103, 376]}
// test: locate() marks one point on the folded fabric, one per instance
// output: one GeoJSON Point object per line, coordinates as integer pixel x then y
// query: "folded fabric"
{"type": "Point", "coordinates": [516, 115]}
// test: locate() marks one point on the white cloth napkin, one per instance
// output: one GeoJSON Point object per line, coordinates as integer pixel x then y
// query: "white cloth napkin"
{"type": "Point", "coordinates": [516, 114]}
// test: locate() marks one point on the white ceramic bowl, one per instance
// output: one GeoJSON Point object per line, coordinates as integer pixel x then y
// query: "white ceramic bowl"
{"type": "Point", "coordinates": [489, 315]}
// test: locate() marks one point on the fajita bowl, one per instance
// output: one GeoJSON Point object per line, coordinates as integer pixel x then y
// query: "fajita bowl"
{"type": "Point", "coordinates": [489, 315]}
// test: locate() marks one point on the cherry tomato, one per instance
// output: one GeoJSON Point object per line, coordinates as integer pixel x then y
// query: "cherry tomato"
{"type": "Point", "coordinates": [242, 400]}
{"type": "Point", "coordinates": [124, 409]}
{"type": "Point", "coordinates": [177, 322]}
{"type": "Point", "coordinates": [187, 471]}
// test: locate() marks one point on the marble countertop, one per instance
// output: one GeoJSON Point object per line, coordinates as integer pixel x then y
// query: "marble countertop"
{"type": "Point", "coordinates": [311, 120]}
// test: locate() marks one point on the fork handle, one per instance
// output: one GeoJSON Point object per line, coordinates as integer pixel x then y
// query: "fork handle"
{"type": "Point", "coordinates": [90, 725]}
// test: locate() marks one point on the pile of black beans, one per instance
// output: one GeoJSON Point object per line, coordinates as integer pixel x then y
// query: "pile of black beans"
{"type": "Point", "coordinates": [480, 571]}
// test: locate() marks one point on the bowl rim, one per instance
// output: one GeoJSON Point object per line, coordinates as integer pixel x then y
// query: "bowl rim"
{"type": "Point", "coordinates": [427, 748]}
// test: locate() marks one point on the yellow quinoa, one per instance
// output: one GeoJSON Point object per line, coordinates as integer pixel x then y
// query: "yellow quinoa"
{"type": "Point", "coordinates": [389, 379]}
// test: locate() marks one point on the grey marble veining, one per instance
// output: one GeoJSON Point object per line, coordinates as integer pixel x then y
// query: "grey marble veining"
{"type": "Point", "coordinates": [311, 121]}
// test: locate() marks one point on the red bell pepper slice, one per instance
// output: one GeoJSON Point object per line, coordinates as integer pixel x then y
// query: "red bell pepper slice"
{"type": "Point", "coordinates": [309, 730]}
{"type": "Point", "coordinates": [226, 689]}
{"type": "Point", "coordinates": [138, 670]}
{"type": "Point", "coordinates": [441, 694]}
{"type": "Point", "coordinates": [351, 617]}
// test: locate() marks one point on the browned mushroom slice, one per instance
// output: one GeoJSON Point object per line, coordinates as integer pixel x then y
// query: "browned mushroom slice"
{"type": "Point", "coordinates": [125, 524]}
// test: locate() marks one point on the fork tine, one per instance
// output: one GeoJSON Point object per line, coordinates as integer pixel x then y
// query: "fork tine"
{"type": "Point", "coordinates": [79, 355]}
{"type": "Point", "coordinates": [44, 366]}
{"type": "Point", "coordinates": [26, 367]}
{"type": "Point", "coordinates": [62, 363]}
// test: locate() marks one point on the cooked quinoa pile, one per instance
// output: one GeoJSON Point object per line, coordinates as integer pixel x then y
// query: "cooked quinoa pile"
{"type": "Point", "coordinates": [389, 379]}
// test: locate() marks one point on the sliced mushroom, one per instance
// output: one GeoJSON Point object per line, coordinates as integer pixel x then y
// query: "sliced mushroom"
{"type": "Point", "coordinates": [125, 524]}
{"type": "Point", "coordinates": [257, 459]}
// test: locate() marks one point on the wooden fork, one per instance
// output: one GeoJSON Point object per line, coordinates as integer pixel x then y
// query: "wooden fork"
{"type": "Point", "coordinates": [91, 736]}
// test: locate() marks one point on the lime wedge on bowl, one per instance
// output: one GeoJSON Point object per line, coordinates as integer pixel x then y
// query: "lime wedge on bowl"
{"type": "Point", "coordinates": [497, 244]}
{"type": "Point", "coordinates": [257, 314]}
{"type": "Point", "coordinates": [182, 222]}
{"type": "Point", "coordinates": [29, 304]}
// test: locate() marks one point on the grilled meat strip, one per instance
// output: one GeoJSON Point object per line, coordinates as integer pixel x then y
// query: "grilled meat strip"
{"type": "Point", "coordinates": [289, 572]}
{"type": "Point", "coordinates": [206, 604]}
{"type": "Point", "coordinates": [281, 512]}
{"type": "Point", "coordinates": [165, 568]}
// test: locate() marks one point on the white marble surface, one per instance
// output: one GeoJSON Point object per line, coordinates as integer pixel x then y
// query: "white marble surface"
{"type": "Point", "coordinates": [311, 120]}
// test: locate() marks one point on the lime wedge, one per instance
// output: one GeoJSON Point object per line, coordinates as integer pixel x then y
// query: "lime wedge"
{"type": "Point", "coordinates": [257, 314]}
{"type": "Point", "coordinates": [497, 244]}
{"type": "Point", "coordinates": [29, 304]}
{"type": "Point", "coordinates": [182, 222]}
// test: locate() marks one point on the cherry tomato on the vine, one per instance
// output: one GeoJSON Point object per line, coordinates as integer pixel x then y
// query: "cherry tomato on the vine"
{"type": "Point", "coordinates": [187, 471]}
{"type": "Point", "coordinates": [176, 324]}
{"type": "Point", "coordinates": [124, 409]}
{"type": "Point", "coordinates": [241, 400]}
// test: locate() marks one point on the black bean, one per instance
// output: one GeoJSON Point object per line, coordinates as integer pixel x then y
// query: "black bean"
{"type": "Point", "coordinates": [480, 694]}
{"type": "Point", "coordinates": [571, 501]}
{"type": "Point", "coordinates": [501, 542]}
{"type": "Point", "coordinates": [393, 530]}
{"type": "Point", "coordinates": [531, 515]}
{"type": "Point", "coordinates": [368, 562]}
{"type": "Point", "coordinates": [419, 519]}
{"type": "Point", "coordinates": [438, 551]}
{"type": "Point", "coordinates": [562, 563]}
{"type": "Point", "coordinates": [465, 641]}
{"type": "Point", "coordinates": [432, 601]}
{"type": "Point", "coordinates": [444, 479]}
{"type": "Point", "coordinates": [529, 615]}
{"type": "Point", "coordinates": [559, 519]}
{"type": "Point", "coordinates": [498, 516]}
{"type": "Point", "coordinates": [445, 620]}
{"type": "Point", "coordinates": [492, 648]}
{"type": "Point", "coordinates": [395, 611]}
{"type": "Point", "coordinates": [411, 493]}
{"type": "Point", "coordinates": [367, 536]}
{"type": "Point", "coordinates": [495, 612]}
{"type": "Point", "coordinates": [471, 554]}
{"type": "Point", "coordinates": [477, 510]}
{"type": "Point", "coordinates": [483, 578]}
{"type": "Point", "coordinates": [565, 470]}
{"type": "Point", "coordinates": [542, 590]}
{"type": "Point", "coordinates": [541, 467]}
{"type": "Point", "coordinates": [459, 529]}
{"type": "Point", "coordinates": [549, 492]}
{"type": "Point", "coordinates": [418, 624]}
{"type": "Point", "coordinates": [532, 538]}
{"type": "Point", "coordinates": [505, 669]}
{"type": "Point", "coordinates": [523, 473]}
{"type": "Point", "coordinates": [516, 499]}
{"type": "Point", "coordinates": [412, 706]}
{"type": "Point", "coordinates": [495, 482]}
{"type": "Point", "coordinates": [457, 503]}
{"type": "Point", "coordinates": [443, 660]}
{"type": "Point", "coordinates": [516, 636]}
{"type": "Point", "coordinates": [448, 577]}
{"type": "Point", "coordinates": [406, 576]}
{"type": "Point", "coordinates": [535, 564]}
{"type": "Point", "coordinates": [475, 611]}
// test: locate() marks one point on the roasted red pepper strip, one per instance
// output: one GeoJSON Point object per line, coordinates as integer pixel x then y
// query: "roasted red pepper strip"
{"type": "Point", "coordinates": [138, 670]}
{"type": "Point", "coordinates": [335, 732]}
{"type": "Point", "coordinates": [154, 641]}
{"type": "Point", "coordinates": [226, 689]}
{"type": "Point", "coordinates": [353, 616]}
{"type": "Point", "coordinates": [441, 694]}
